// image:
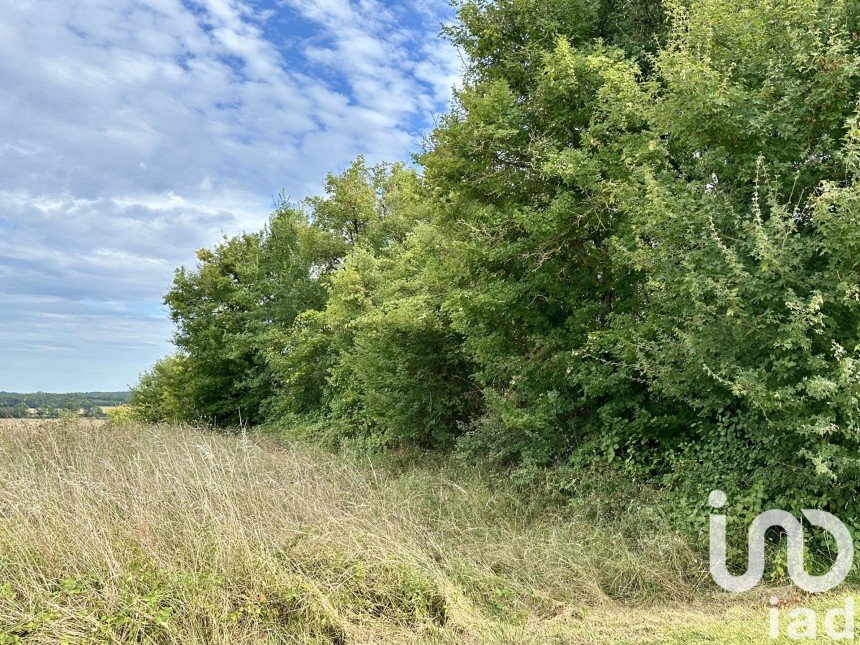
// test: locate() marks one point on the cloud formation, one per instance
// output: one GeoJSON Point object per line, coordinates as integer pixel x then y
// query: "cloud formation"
{"type": "Point", "coordinates": [133, 132]}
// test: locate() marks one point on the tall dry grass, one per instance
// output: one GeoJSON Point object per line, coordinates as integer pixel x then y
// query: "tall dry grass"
{"type": "Point", "coordinates": [167, 534]}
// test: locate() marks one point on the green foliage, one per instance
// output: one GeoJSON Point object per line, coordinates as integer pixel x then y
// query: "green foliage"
{"type": "Point", "coordinates": [743, 318]}
{"type": "Point", "coordinates": [163, 392]}
{"type": "Point", "coordinates": [750, 79]}
{"type": "Point", "coordinates": [122, 415]}
{"type": "Point", "coordinates": [44, 405]}
{"type": "Point", "coordinates": [635, 243]}
{"type": "Point", "coordinates": [225, 306]}
{"type": "Point", "coordinates": [400, 374]}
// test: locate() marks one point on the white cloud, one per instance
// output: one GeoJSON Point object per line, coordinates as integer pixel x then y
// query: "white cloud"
{"type": "Point", "coordinates": [133, 132]}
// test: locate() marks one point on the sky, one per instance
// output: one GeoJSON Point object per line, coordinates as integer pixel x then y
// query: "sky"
{"type": "Point", "coordinates": [135, 132]}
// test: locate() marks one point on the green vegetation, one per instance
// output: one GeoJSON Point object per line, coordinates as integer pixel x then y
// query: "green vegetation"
{"type": "Point", "coordinates": [124, 533]}
{"type": "Point", "coordinates": [633, 247]}
{"type": "Point", "coordinates": [44, 405]}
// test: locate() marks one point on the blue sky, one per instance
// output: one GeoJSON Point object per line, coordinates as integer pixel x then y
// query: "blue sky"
{"type": "Point", "coordinates": [134, 132]}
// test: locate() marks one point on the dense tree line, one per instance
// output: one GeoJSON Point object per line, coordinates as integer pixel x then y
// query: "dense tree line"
{"type": "Point", "coordinates": [633, 241]}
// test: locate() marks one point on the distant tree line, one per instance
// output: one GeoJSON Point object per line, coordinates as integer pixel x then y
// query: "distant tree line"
{"type": "Point", "coordinates": [634, 244]}
{"type": "Point", "coordinates": [46, 405]}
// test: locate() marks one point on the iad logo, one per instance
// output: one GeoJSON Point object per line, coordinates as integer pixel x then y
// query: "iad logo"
{"type": "Point", "coordinates": [793, 528]}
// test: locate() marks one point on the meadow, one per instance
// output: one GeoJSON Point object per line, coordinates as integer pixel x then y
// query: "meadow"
{"type": "Point", "coordinates": [167, 534]}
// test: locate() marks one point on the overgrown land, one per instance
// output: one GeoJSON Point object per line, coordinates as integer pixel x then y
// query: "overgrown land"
{"type": "Point", "coordinates": [119, 533]}
{"type": "Point", "coordinates": [629, 253]}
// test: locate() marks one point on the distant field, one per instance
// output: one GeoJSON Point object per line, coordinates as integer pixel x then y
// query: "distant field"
{"type": "Point", "coordinates": [164, 535]}
{"type": "Point", "coordinates": [6, 424]}
{"type": "Point", "coordinates": [26, 423]}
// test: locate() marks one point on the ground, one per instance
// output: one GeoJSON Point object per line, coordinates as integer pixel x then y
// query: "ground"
{"type": "Point", "coordinates": [119, 533]}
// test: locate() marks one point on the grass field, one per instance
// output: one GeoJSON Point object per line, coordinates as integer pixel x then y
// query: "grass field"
{"type": "Point", "coordinates": [162, 534]}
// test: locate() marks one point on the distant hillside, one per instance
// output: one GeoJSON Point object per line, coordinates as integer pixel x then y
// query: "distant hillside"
{"type": "Point", "coordinates": [14, 404]}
